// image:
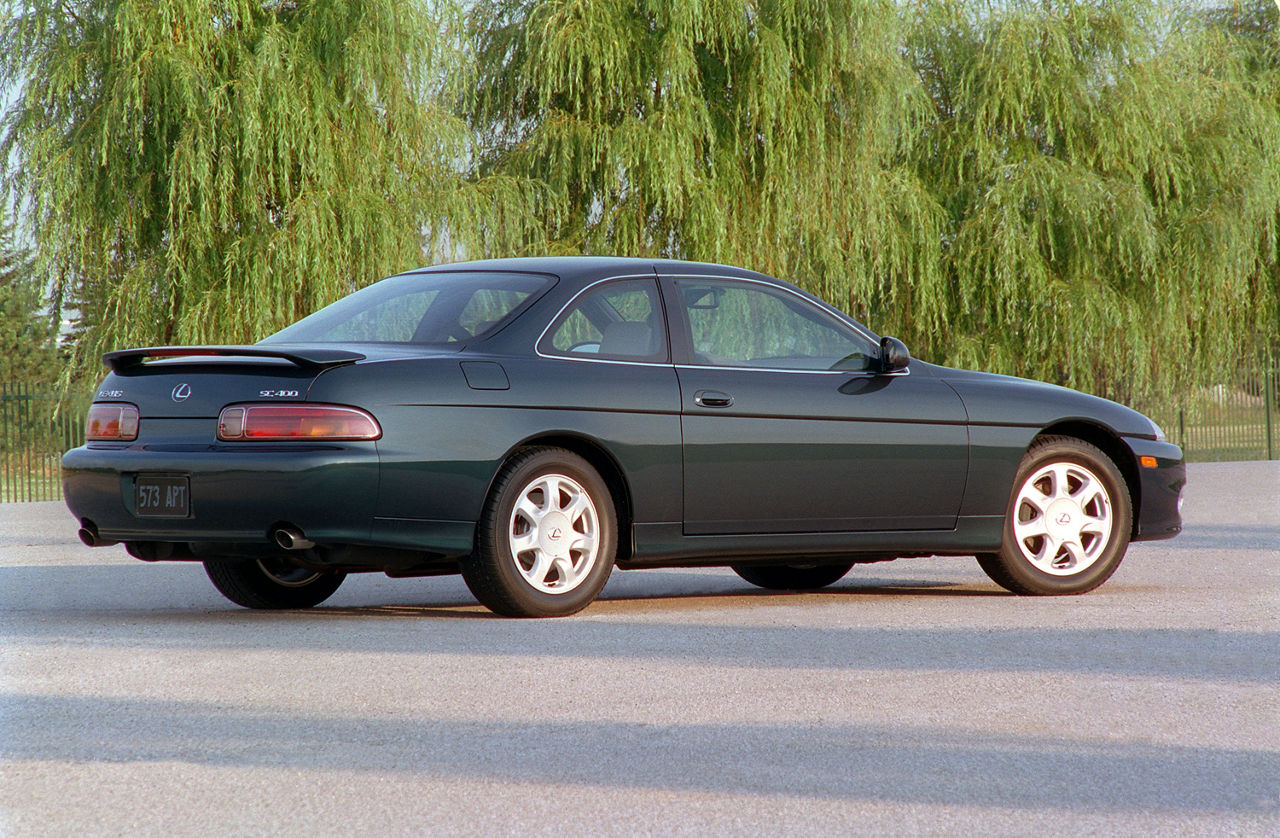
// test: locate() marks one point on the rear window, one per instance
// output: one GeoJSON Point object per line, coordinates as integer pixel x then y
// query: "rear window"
{"type": "Point", "coordinates": [429, 308]}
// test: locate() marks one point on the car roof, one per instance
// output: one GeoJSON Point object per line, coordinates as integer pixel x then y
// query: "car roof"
{"type": "Point", "coordinates": [588, 268]}
{"type": "Point", "coordinates": [574, 273]}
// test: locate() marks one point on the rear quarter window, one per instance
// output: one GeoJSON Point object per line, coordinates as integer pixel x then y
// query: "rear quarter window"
{"type": "Point", "coordinates": [429, 308]}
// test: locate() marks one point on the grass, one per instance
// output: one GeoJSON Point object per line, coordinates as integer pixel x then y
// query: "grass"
{"type": "Point", "coordinates": [1221, 426]}
{"type": "Point", "coordinates": [26, 487]}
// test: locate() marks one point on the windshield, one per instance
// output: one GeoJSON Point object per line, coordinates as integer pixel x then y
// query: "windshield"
{"type": "Point", "coordinates": [426, 308]}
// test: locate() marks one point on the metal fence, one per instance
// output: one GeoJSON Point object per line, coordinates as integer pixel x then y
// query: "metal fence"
{"type": "Point", "coordinates": [1239, 420]}
{"type": "Point", "coordinates": [35, 428]}
{"type": "Point", "coordinates": [1236, 421]}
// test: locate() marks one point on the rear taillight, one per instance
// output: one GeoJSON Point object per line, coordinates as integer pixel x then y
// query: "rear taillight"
{"type": "Point", "coordinates": [111, 422]}
{"type": "Point", "coordinates": [295, 421]}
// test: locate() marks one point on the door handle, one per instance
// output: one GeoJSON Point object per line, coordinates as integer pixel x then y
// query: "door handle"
{"type": "Point", "coordinates": [712, 398]}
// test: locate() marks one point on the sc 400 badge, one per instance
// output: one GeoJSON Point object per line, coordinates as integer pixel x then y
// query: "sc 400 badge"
{"type": "Point", "coordinates": [278, 394]}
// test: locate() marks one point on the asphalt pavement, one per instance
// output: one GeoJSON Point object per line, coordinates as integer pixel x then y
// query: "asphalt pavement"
{"type": "Point", "coordinates": [913, 697]}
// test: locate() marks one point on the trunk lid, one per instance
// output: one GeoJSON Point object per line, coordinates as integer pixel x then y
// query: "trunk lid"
{"type": "Point", "coordinates": [197, 382]}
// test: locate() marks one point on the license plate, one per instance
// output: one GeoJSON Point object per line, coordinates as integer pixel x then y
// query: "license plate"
{"type": "Point", "coordinates": [162, 497]}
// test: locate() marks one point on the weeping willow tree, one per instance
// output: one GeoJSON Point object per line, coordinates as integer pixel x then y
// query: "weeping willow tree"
{"type": "Point", "coordinates": [776, 135]}
{"type": "Point", "coordinates": [1111, 184]}
{"type": "Point", "coordinates": [1252, 30]}
{"type": "Point", "coordinates": [210, 170]}
{"type": "Point", "coordinates": [26, 334]}
{"type": "Point", "coordinates": [1082, 191]}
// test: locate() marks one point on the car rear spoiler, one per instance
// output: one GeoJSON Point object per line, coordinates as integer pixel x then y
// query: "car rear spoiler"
{"type": "Point", "coordinates": [303, 356]}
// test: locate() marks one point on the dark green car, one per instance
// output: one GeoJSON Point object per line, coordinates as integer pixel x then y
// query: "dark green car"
{"type": "Point", "coordinates": [531, 423]}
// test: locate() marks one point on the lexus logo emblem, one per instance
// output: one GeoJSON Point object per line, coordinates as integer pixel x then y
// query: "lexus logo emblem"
{"type": "Point", "coordinates": [181, 393]}
{"type": "Point", "coordinates": [555, 533]}
{"type": "Point", "coordinates": [1063, 519]}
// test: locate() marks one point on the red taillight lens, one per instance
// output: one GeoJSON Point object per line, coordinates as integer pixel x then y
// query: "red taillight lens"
{"type": "Point", "coordinates": [295, 421]}
{"type": "Point", "coordinates": [112, 422]}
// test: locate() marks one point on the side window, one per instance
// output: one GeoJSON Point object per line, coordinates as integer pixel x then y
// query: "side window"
{"type": "Point", "coordinates": [488, 306]}
{"type": "Point", "coordinates": [619, 320]}
{"type": "Point", "coordinates": [742, 325]}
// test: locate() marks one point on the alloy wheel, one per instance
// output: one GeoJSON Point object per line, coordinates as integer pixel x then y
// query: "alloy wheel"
{"type": "Point", "coordinates": [1063, 518]}
{"type": "Point", "coordinates": [554, 533]}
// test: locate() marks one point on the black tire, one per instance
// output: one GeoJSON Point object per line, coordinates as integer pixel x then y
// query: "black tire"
{"type": "Point", "coordinates": [1081, 561]}
{"type": "Point", "coordinates": [271, 583]}
{"type": "Point", "coordinates": [550, 578]}
{"type": "Point", "coordinates": [790, 577]}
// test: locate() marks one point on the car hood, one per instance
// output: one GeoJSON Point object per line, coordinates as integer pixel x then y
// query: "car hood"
{"type": "Point", "coordinates": [996, 399]}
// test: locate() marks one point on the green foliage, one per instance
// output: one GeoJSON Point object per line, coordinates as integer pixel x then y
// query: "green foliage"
{"type": "Point", "coordinates": [26, 332]}
{"type": "Point", "coordinates": [211, 170]}
{"type": "Point", "coordinates": [774, 135]}
{"type": "Point", "coordinates": [1111, 183]}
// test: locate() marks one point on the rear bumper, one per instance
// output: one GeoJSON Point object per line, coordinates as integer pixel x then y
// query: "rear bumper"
{"type": "Point", "coordinates": [239, 493]}
{"type": "Point", "coordinates": [1159, 491]}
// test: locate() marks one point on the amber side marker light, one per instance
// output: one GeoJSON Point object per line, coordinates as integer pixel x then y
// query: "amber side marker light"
{"type": "Point", "coordinates": [111, 423]}
{"type": "Point", "coordinates": [318, 422]}
{"type": "Point", "coordinates": [1147, 462]}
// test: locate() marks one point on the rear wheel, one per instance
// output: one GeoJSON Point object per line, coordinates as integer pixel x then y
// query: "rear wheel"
{"type": "Point", "coordinates": [1068, 522]}
{"type": "Point", "coordinates": [547, 537]}
{"type": "Point", "coordinates": [791, 577]}
{"type": "Point", "coordinates": [271, 583]}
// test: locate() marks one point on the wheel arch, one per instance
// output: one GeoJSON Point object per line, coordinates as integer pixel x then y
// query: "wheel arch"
{"type": "Point", "coordinates": [603, 461]}
{"type": "Point", "coordinates": [1110, 444]}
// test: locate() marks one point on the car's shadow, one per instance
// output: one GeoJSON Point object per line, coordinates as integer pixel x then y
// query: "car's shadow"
{"type": "Point", "coordinates": [623, 602]}
{"type": "Point", "coordinates": [142, 590]}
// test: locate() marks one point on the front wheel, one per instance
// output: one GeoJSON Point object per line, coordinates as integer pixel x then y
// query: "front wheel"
{"type": "Point", "coordinates": [791, 577]}
{"type": "Point", "coordinates": [271, 583]}
{"type": "Point", "coordinates": [1068, 522]}
{"type": "Point", "coordinates": [546, 541]}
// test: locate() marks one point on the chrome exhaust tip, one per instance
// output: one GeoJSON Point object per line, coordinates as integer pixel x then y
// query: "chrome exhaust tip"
{"type": "Point", "coordinates": [88, 535]}
{"type": "Point", "coordinates": [291, 538]}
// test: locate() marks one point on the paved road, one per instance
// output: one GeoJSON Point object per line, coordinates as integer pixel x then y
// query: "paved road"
{"type": "Point", "coordinates": [913, 697]}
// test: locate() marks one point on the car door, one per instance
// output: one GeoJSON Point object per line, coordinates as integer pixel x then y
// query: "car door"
{"type": "Point", "coordinates": [788, 425]}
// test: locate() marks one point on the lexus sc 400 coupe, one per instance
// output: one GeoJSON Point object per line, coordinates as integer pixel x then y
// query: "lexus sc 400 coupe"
{"type": "Point", "coordinates": [533, 423]}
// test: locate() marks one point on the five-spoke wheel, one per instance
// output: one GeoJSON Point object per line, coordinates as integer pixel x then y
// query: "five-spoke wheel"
{"type": "Point", "coordinates": [1068, 521]}
{"type": "Point", "coordinates": [547, 538]}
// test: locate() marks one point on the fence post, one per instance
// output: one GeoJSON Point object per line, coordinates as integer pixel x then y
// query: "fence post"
{"type": "Point", "coordinates": [36, 426]}
{"type": "Point", "coordinates": [1268, 396]}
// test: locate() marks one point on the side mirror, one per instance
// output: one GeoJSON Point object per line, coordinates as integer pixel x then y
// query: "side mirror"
{"type": "Point", "coordinates": [893, 355]}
